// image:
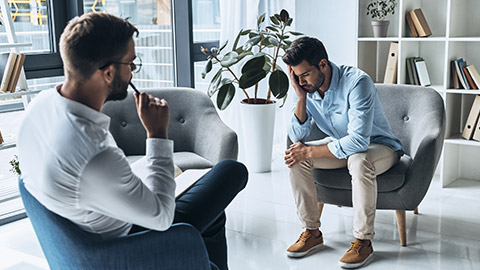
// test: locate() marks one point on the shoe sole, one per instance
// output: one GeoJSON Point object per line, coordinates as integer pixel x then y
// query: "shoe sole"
{"type": "Point", "coordinates": [305, 253]}
{"type": "Point", "coordinates": [355, 265]}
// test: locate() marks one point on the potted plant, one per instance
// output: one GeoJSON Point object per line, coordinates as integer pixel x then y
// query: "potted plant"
{"type": "Point", "coordinates": [378, 10]}
{"type": "Point", "coordinates": [257, 57]}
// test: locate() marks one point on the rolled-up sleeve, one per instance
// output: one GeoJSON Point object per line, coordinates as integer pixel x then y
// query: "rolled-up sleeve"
{"type": "Point", "coordinates": [297, 131]}
{"type": "Point", "coordinates": [361, 101]}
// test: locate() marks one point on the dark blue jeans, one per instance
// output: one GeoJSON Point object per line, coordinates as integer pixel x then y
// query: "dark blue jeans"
{"type": "Point", "coordinates": [204, 203]}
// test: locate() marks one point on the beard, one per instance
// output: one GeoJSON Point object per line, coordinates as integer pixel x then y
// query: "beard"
{"type": "Point", "coordinates": [118, 88]}
{"type": "Point", "coordinates": [309, 88]}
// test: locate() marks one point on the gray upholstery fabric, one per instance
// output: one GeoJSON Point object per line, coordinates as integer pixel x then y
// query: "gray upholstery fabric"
{"type": "Point", "coordinates": [200, 137]}
{"type": "Point", "coordinates": [417, 117]}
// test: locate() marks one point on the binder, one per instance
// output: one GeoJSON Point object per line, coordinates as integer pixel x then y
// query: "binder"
{"type": "Point", "coordinates": [392, 63]}
{"type": "Point", "coordinates": [472, 119]}
{"type": "Point", "coordinates": [422, 72]}
{"type": "Point", "coordinates": [411, 25]}
{"type": "Point", "coordinates": [476, 132]}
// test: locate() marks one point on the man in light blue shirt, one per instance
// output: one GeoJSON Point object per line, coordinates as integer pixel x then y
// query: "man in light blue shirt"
{"type": "Point", "coordinates": [344, 103]}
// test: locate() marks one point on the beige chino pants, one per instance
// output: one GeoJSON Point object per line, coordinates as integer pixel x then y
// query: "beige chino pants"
{"type": "Point", "coordinates": [363, 167]}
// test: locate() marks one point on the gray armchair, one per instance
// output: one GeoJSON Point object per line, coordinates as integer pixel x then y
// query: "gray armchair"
{"type": "Point", "coordinates": [200, 137]}
{"type": "Point", "coordinates": [417, 117]}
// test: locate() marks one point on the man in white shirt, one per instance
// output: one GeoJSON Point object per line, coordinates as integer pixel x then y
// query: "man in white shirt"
{"type": "Point", "coordinates": [71, 164]}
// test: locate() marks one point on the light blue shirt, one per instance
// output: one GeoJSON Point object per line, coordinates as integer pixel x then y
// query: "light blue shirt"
{"type": "Point", "coordinates": [350, 112]}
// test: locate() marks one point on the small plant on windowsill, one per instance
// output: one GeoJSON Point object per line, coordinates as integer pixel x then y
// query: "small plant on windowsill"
{"type": "Point", "coordinates": [15, 165]}
{"type": "Point", "coordinates": [378, 10]}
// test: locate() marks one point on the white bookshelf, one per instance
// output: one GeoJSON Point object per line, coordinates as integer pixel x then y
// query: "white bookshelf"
{"type": "Point", "coordinates": [455, 33]}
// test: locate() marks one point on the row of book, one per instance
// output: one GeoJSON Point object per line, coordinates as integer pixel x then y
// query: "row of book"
{"type": "Point", "coordinates": [472, 126]}
{"type": "Point", "coordinates": [463, 76]}
{"type": "Point", "coordinates": [417, 72]}
{"type": "Point", "coordinates": [417, 23]}
{"type": "Point", "coordinates": [10, 68]}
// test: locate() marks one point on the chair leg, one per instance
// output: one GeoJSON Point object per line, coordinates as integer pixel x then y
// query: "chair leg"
{"type": "Point", "coordinates": [415, 211]}
{"type": "Point", "coordinates": [402, 232]}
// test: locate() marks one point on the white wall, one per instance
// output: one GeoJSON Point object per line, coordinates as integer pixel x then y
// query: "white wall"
{"type": "Point", "coordinates": [333, 22]}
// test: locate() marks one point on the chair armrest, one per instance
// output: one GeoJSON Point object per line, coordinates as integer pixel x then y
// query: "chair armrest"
{"type": "Point", "coordinates": [214, 140]}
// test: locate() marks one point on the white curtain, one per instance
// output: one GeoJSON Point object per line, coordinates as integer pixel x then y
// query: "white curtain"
{"type": "Point", "coordinates": [236, 15]}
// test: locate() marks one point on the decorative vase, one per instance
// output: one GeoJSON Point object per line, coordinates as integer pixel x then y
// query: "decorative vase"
{"type": "Point", "coordinates": [380, 28]}
{"type": "Point", "coordinates": [258, 123]}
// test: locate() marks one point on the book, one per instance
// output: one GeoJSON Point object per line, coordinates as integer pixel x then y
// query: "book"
{"type": "Point", "coordinates": [186, 179]}
{"type": "Point", "coordinates": [409, 78]}
{"type": "Point", "coordinates": [392, 63]}
{"type": "Point", "coordinates": [471, 84]}
{"type": "Point", "coordinates": [474, 73]}
{"type": "Point", "coordinates": [414, 71]}
{"type": "Point", "coordinates": [3, 64]}
{"type": "Point", "coordinates": [1, 137]}
{"type": "Point", "coordinates": [454, 83]}
{"type": "Point", "coordinates": [17, 69]}
{"type": "Point", "coordinates": [420, 23]}
{"type": "Point", "coordinates": [411, 25]}
{"type": "Point", "coordinates": [7, 72]}
{"type": "Point", "coordinates": [461, 76]}
{"type": "Point", "coordinates": [421, 66]}
{"type": "Point", "coordinates": [472, 119]}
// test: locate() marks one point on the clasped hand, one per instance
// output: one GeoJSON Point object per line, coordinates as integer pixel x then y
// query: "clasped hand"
{"type": "Point", "coordinates": [296, 153]}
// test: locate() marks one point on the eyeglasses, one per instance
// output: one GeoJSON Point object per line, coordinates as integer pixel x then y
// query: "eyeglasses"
{"type": "Point", "coordinates": [135, 65]}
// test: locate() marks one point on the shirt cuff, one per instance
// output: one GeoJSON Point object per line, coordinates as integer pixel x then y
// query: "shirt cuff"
{"type": "Point", "coordinates": [336, 149]}
{"type": "Point", "coordinates": [157, 147]}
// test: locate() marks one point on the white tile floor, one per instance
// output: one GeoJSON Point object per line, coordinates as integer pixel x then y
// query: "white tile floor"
{"type": "Point", "coordinates": [262, 223]}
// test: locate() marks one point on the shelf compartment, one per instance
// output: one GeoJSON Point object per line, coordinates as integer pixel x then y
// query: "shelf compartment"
{"type": "Point", "coordinates": [364, 22]}
{"type": "Point", "coordinates": [464, 19]}
{"type": "Point", "coordinates": [469, 51]}
{"type": "Point", "coordinates": [460, 162]}
{"type": "Point", "coordinates": [434, 11]}
{"type": "Point", "coordinates": [432, 52]}
{"type": "Point", "coordinates": [372, 58]}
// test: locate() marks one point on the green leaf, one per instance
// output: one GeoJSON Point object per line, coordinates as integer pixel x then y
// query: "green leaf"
{"type": "Point", "coordinates": [273, 41]}
{"type": "Point", "coordinates": [213, 87]}
{"type": "Point", "coordinates": [256, 62]}
{"type": "Point", "coordinates": [284, 15]}
{"type": "Point", "coordinates": [272, 29]}
{"type": "Point", "coordinates": [284, 99]}
{"type": "Point", "coordinates": [252, 34]}
{"type": "Point", "coordinates": [235, 43]}
{"type": "Point", "coordinates": [289, 22]}
{"type": "Point", "coordinates": [274, 20]}
{"type": "Point", "coordinates": [245, 32]}
{"type": "Point", "coordinates": [225, 95]}
{"type": "Point", "coordinates": [223, 46]}
{"type": "Point", "coordinates": [208, 68]}
{"type": "Point", "coordinates": [251, 78]}
{"type": "Point", "coordinates": [278, 83]}
{"type": "Point", "coordinates": [229, 59]}
{"type": "Point", "coordinates": [295, 33]}
{"type": "Point", "coordinates": [243, 54]}
{"type": "Point", "coordinates": [261, 19]}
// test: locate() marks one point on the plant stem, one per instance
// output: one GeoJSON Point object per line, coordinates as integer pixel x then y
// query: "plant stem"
{"type": "Point", "coordinates": [274, 64]}
{"type": "Point", "coordinates": [234, 76]}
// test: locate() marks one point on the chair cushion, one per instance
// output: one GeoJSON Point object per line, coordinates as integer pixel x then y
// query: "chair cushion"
{"type": "Point", "coordinates": [387, 181]}
{"type": "Point", "coordinates": [190, 160]}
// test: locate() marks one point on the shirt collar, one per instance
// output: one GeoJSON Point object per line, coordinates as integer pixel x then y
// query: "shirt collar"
{"type": "Point", "coordinates": [79, 109]}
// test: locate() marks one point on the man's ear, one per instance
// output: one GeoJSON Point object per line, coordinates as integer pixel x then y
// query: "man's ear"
{"type": "Point", "coordinates": [108, 73]}
{"type": "Point", "coordinates": [323, 64]}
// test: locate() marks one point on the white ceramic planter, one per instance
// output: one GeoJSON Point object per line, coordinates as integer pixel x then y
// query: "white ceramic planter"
{"type": "Point", "coordinates": [258, 124]}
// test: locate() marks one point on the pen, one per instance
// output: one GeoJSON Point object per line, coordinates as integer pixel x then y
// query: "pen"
{"type": "Point", "coordinates": [134, 88]}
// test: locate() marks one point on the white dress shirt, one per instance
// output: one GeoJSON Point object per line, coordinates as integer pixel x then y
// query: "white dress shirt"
{"type": "Point", "coordinates": [72, 165]}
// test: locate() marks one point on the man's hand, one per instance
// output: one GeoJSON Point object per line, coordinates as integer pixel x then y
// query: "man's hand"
{"type": "Point", "coordinates": [297, 152]}
{"type": "Point", "coordinates": [301, 94]}
{"type": "Point", "coordinates": [154, 114]}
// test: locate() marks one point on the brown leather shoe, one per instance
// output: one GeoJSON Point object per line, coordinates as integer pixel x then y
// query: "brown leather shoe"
{"type": "Point", "coordinates": [305, 244]}
{"type": "Point", "coordinates": [357, 255]}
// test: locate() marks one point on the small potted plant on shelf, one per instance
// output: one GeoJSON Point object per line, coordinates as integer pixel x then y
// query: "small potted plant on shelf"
{"type": "Point", "coordinates": [15, 165]}
{"type": "Point", "coordinates": [257, 57]}
{"type": "Point", "coordinates": [378, 10]}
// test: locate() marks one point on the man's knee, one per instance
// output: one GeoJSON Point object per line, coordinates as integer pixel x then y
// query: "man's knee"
{"type": "Point", "coordinates": [360, 164]}
{"type": "Point", "coordinates": [237, 172]}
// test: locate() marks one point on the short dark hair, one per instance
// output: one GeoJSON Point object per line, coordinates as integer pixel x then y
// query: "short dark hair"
{"type": "Point", "coordinates": [305, 48]}
{"type": "Point", "coordinates": [92, 40]}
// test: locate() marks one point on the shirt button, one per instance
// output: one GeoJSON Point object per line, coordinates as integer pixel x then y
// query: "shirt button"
{"type": "Point", "coordinates": [123, 124]}
{"type": "Point", "coordinates": [406, 118]}
{"type": "Point", "coordinates": [181, 120]}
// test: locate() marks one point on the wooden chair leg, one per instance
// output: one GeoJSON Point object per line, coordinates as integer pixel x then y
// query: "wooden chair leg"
{"type": "Point", "coordinates": [402, 232]}
{"type": "Point", "coordinates": [415, 211]}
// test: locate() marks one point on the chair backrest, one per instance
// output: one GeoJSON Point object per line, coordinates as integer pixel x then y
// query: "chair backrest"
{"type": "Point", "coordinates": [187, 108]}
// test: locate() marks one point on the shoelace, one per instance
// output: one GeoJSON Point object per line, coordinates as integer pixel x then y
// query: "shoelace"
{"type": "Point", "coordinates": [304, 237]}
{"type": "Point", "coordinates": [356, 246]}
